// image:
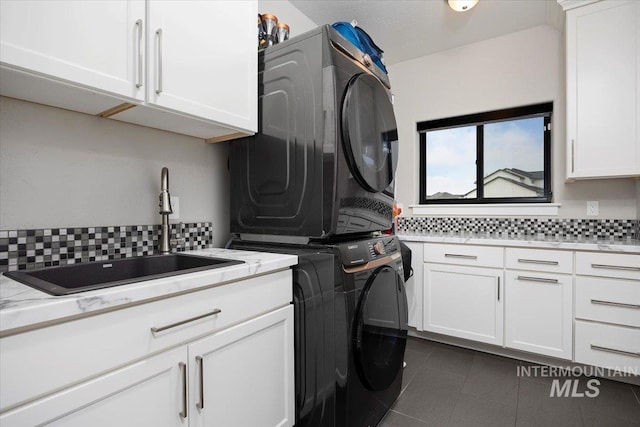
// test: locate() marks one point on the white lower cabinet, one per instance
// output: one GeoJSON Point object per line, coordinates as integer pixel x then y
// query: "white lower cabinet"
{"type": "Point", "coordinates": [465, 302]}
{"type": "Point", "coordinates": [413, 286]}
{"type": "Point", "coordinates": [523, 299]}
{"type": "Point", "coordinates": [538, 313]}
{"type": "Point", "coordinates": [145, 393]}
{"type": "Point", "coordinates": [207, 383]}
{"type": "Point", "coordinates": [197, 359]}
{"type": "Point", "coordinates": [607, 324]}
{"type": "Point", "coordinates": [539, 301]}
{"type": "Point", "coordinates": [608, 346]}
{"type": "Point", "coordinates": [243, 376]}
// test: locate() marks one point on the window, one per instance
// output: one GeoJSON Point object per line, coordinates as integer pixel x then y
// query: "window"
{"type": "Point", "coordinates": [495, 157]}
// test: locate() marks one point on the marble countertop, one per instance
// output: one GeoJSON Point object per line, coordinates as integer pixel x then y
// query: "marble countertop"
{"type": "Point", "coordinates": [631, 246]}
{"type": "Point", "coordinates": [22, 306]}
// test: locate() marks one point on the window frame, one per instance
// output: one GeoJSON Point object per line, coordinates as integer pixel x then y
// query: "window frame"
{"type": "Point", "coordinates": [478, 120]}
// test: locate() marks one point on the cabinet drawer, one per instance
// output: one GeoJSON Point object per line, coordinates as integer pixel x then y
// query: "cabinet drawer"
{"type": "Point", "coordinates": [624, 266]}
{"type": "Point", "coordinates": [539, 260]}
{"type": "Point", "coordinates": [482, 256]}
{"type": "Point", "coordinates": [608, 300]}
{"type": "Point", "coordinates": [607, 346]}
{"type": "Point", "coordinates": [70, 352]}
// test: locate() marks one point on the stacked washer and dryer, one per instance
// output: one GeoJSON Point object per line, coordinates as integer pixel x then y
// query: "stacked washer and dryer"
{"type": "Point", "coordinates": [317, 181]}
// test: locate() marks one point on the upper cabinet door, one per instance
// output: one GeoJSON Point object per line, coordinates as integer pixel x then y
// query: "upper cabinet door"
{"type": "Point", "coordinates": [203, 60]}
{"type": "Point", "coordinates": [95, 44]}
{"type": "Point", "coordinates": [603, 90]}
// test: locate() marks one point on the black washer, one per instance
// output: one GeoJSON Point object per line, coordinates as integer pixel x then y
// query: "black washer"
{"type": "Point", "coordinates": [381, 329]}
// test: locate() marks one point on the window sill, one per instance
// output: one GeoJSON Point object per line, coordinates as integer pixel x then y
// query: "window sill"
{"type": "Point", "coordinates": [510, 209]}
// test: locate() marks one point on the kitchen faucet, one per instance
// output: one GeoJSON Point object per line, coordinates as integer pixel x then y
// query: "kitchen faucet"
{"type": "Point", "coordinates": [165, 210]}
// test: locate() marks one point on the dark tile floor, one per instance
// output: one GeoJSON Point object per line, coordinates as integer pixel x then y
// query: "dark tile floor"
{"type": "Point", "coordinates": [447, 386]}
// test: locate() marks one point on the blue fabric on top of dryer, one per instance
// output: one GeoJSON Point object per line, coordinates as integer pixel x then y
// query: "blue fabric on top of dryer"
{"type": "Point", "coordinates": [363, 41]}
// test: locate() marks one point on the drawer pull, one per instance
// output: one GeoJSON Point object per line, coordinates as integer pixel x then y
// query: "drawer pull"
{"type": "Point", "coordinates": [613, 350]}
{"type": "Point", "coordinates": [537, 261]}
{"type": "Point", "coordinates": [460, 256]}
{"type": "Point", "coordinates": [183, 371]}
{"type": "Point", "coordinates": [537, 279]}
{"type": "Point", "coordinates": [615, 304]}
{"type": "Point", "coordinates": [155, 329]}
{"type": "Point", "coordinates": [200, 405]}
{"type": "Point", "coordinates": [615, 267]}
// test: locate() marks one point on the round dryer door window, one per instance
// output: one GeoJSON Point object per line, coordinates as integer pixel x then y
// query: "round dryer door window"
{"type": "Point", "coordinates": [380, 331]}
{"type": "Point", "coordinates": [369, 132]}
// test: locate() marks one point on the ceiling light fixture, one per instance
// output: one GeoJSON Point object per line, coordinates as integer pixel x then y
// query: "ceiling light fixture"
{"type": "Point", "coordinates": [461, 5]}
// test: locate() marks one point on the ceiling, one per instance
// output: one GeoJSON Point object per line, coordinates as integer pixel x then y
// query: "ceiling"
{"type": "Point", "coordinates": [407, 29]}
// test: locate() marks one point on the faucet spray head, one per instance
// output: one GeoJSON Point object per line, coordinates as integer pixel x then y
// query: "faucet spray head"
{"type": "Point", "coordinates": [165, 197]}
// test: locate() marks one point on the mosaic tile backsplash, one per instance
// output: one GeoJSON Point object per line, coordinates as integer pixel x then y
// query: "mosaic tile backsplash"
{"type": "Point", "coordinates": [586, 229]}
{"type": "Point", "coordinates": [38, 248]}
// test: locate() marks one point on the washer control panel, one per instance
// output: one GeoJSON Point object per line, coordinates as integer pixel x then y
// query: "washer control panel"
{"type": "Point", "coordinates": [363, 251]}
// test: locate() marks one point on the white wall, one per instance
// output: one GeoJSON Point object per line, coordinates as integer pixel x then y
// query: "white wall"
{"type": "Point", "coordinates": [289, 14]}
{"type": "Point", "coordinates": [518, 69]}
{"type": "Point", "coordinates": [60, 168]}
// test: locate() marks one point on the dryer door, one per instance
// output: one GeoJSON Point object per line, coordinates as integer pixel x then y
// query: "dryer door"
{"type": "Point", "coordinates": [369, 132]}
{"type": "Point", "coordinates": [380, 332]}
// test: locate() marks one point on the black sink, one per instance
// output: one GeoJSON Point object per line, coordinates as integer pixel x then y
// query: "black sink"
{"type": "Point", "coordinates": [70, 279]}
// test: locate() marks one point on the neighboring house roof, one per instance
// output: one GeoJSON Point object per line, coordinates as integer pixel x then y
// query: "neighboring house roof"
{"type": "Point", "coordinates": [517, 180]}
{"type": "Point", "coordinates": [537, 190]}
{"type": "Point", "coordinates": [444, 195]}
{"type": "Point", "coordinates": [512, 175]}
{"type": "Point", "coordinates": [535, 175]}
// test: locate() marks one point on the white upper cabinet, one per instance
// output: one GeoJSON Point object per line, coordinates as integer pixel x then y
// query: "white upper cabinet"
{"type": "Point", "coordinates": [203, 59]}
{"type": "Point", "coordinates": [202, 65]}
{"type": "Point", "coordinates": [603, 89]}
{"type": "Point", "coordinates": [98, 44]}
{"type": "Point", "coordinates": [184, 66]}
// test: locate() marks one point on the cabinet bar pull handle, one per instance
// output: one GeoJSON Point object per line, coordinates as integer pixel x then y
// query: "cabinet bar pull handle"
{"type": "Point", "coordinates": [498, 288]}
{"type": "Point", "coordinates": [573, 156]}
{"type": "Point", "coordinates": [537, 261]}
{"type": "Point", "coordinates": [139, 74]}
{"type": "Point", "coordinates": [615, 267]}
{"type": "Point", "coordinates": [537, 279]}
{"type": "Point", "coordinates": [159, 73]}
{"type": "Point", "coordinates": [615, 304]}
{"type": "Point", "coordinates": [155, 329]}
{"type": "Point", "coordinates": [200, 405]}
{"type": "Point", "coordinates": [460, 256]}
{"type": "Point", "coordinates": [183, 370]}
{"type": "Point", "coordinates": [614, 350]}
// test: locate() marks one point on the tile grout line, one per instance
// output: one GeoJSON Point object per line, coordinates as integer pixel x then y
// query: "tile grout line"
{"type": "Point", "coordinates": [633, 390]}
{"type": "Point", "coordinates": [408, 416]}
{"type": "Point", "coordinates": [515, 422]}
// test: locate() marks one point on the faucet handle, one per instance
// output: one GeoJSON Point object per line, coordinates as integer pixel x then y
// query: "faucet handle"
{"type": "Point", "coordinates": [177, 243]}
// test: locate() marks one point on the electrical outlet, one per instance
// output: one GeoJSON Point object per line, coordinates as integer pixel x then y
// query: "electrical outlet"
{"type": "Point", "coordinates": [175, 207]}
{"type": "Point", "coordinates": [593, 208]}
